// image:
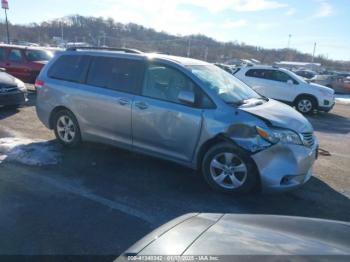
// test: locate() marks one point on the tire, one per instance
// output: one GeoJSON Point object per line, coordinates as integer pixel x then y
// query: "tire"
{"type": "Point", "coordinates": [218, 170]}
{"type": "Point", "coordinates": [66, 128]}
{"type": "Point", "coordinates": [305, 104]}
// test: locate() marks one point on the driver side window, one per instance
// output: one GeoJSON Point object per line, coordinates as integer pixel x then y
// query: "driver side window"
{"type": "Point", "coordinates": [165, 83]}
{"type": "Point", "coordinates": [281, 76]}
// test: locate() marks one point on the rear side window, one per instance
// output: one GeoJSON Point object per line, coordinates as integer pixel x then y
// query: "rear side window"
{"type": "Point", "coordinates": [115, 73]}
{"type": "Point", "coordinates": [259, 73]}
{"type": "Point", "coordinates": [268, 74]}
{"type": "Point", "coordinates": [70, 68]}
{"type": "Point", "coordinates": [15, 55]}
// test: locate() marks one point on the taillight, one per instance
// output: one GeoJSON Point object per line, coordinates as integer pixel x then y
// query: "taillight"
{"type": "Point", "coordinates": [39, 84]}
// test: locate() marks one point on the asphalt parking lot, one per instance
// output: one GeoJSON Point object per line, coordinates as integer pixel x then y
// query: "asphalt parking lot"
{"type": "Point", "coordinates": [99, 200]}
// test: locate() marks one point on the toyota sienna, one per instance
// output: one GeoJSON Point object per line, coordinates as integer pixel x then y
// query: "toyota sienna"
{"type": "Point", "coordinates": [179, 109]}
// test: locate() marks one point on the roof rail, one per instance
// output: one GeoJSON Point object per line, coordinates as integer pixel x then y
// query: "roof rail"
{"type": "Point", "coordinates": [126, 50]}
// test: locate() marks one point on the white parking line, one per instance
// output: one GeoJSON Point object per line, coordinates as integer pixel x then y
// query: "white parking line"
{"type": "Point", "coordinates": [41, 152]}
{"type": "Point", "coordinates": [80, 191]}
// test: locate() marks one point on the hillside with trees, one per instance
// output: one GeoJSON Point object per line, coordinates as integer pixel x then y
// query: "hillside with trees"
{"type": "Point", "coordinates": [100, 31]}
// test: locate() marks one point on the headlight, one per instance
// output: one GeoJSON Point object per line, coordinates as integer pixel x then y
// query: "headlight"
{"type": "Point", "coordinates": [20, 85]}
{"type": "Point", "coordinates": [325, 92]}
{"type": "Point", "coordinates": [279, 135]}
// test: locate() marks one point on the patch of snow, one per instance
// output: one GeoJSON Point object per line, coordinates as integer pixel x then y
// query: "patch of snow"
{"type": "Point", "coordinates": [342, 99]}
{"type": "Point", "coordinates": [28, 151]}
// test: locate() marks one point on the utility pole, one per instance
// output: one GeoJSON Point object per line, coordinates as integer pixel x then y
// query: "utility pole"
{"type": "Point", "coordinates": [206, 54]}
{"type": "Point", "coordinates": [313, 53]}
{"type": "Point", "coordinates": [289, 37]}
{"type": "Point", "coordinates": [61, 29]}
{"type": "Point", "coordinates": [189, 47]}
{"type": "Point", "coordinates": [5, 6]}
{"type": "Point", "coordinates": [104, 38]}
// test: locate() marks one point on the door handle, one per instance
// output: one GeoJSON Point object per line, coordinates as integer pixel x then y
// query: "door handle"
{"type": "Point", "coordinates": [123, 101]}
{"type": "Point", "coordinates": [141, 105]}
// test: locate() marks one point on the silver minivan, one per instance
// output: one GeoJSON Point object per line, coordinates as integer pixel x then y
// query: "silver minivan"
{"type": "Point", "coordinates": [179, 109]}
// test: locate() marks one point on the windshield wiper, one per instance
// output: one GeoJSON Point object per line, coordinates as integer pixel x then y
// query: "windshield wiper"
{"type": "Point", "coordinates": [238, 103]}
{"type": "Point", "coordinates": [263, 98]}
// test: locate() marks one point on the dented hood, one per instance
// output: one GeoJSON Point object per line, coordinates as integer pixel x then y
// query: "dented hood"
{"type": "Point", "coordinates": [279, 115]}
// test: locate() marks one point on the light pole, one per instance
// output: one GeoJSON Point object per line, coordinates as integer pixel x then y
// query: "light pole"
{"type": "Point", "coordinates": [206, 54]}
{"type": "Point", "coordinates": [61, 22]}
{"type": "Point", "coordinates": [289, 37]}
{"type": "Point", "coordinates": [313, 53]}
{"type": "Point", "coordinates": [189, 47]}
{"type": "Point", "coordinates": [5, 6]}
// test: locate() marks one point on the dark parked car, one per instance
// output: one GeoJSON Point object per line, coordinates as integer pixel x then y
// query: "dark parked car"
{"type": "Point", "coordinates": [308, 74]}
{"type": "Point", "coordinates": [23, 62]}
{"type": "Point", "coordinates": [222, 236]}
{"type": "Point", "coordinates": [227, 68]}
{"type": "Point", "coordinates": [13, 91]}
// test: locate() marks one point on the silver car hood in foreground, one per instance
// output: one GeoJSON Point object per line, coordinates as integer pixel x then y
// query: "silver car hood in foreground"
{"type": "Point", "coordinates": [279, 115]}
{"type": "Point", "coordinates": [232, 234]}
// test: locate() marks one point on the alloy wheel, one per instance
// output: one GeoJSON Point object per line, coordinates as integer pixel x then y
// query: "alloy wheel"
{"type": "Point", "coordinates": [305, 105]}
{"type": "Point", "coordinates": [228, 170]}
{"type": "Point", "coordinates": [66, 129]}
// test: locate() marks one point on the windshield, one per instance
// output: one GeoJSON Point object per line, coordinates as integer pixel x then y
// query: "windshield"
{"type": "Point", "coordinates": [38, 55]}
{"type": "Point", "coordinates": [229, 88]}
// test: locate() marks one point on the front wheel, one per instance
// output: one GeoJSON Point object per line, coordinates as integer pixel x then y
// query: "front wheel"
{"type": "Point", "coordinates": [305, 104]}
{"type": "Point", "coordinates": [229, 169]}
{"type": "Point", "coordinates": [66, 128]}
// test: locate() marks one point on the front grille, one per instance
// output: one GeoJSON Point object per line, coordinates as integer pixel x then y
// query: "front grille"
{"type": "Point", "coordinates": [308, 139]}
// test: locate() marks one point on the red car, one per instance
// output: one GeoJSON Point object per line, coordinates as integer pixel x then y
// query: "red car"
{"type": "Point", "coordinates": [23, 62]}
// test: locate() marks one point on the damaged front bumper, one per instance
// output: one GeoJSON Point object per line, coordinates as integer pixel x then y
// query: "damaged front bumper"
{"type": "Point", "coordinates": [283, 167]}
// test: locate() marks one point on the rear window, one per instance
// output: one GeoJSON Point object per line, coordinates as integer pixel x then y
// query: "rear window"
{"type": "Point", "coordinates": [116, 74]}
{"type": "Point", "coordinates": [2, 54]}
{"type": "Point", "coordinates": [70, 68]}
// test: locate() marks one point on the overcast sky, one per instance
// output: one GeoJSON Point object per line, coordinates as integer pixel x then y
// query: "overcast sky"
{"type": "Point", "coordinates": [265, 23]}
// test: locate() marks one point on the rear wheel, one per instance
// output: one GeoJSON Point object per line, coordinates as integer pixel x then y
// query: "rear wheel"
{"type": "Point", "coordinates": [305, 104]}
{"type": "Point", "coordinates": [66, 128]}
{"type": "Point", "coordinates": [229, 169]}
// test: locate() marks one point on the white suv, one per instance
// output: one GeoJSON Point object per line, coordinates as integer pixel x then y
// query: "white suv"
{"type": "Point", "coordinates": [285, 86]}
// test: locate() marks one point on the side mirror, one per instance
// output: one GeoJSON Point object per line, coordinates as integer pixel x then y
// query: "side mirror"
{"type": "Point", "coordinates": [187, 97]}
{"type": "Point", "coordinates": [2, 69]}
{"type": "Point", "coordinates": [290, 82]}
